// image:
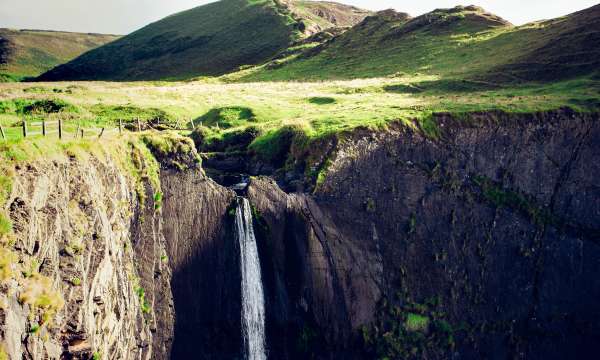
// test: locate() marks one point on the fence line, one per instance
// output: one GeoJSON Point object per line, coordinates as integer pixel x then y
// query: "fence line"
{"type": "Point", "coordinates": [49, 127]}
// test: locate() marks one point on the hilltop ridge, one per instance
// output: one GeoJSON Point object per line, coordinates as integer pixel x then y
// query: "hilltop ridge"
{"type": "Point", "coordinates": [30, 52]}
{"type": "Point", "coordinates": [208, 40]}
{"type": "Point", "coordinates": [462, 42]}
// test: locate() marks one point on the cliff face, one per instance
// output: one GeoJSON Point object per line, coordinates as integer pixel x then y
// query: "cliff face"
{"type": "Point", "coordinates": [90, 279]}
{"type": "Point", "coordinates": [483, 244]}
{"type": "Point", "coordinates": [205, 262]}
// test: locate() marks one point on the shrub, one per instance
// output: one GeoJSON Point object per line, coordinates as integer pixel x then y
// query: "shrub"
{"type": "Point", "coordinates": [46, 106]}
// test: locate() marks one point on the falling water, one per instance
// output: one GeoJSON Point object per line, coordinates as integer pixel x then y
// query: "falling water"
{"type": "Point", "coordinates": [253, 301]}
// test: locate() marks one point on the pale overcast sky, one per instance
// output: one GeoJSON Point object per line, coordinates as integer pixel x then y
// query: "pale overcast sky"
{"type": "Point", "coordinates": [124, 16]}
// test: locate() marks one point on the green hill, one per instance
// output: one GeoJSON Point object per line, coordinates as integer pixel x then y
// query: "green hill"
{"type": "Point", "coordinates": [208, 40]}
{"type": "Point", "coordinates": [463, 42]}
{"type": "Point", "coordinates": [29, 53]}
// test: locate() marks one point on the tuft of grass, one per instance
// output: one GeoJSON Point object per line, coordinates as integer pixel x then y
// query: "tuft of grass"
{"type": "Point", "coordinates": [75, 247]}
{"type": "Point", "coordinates": [5, 224]}
{"type": "Point", "coordinates": [38, 293]}
{"type": "Point", "coordinates": [34, 329]}
{"type": "Point", "coordinates": [145, 306]}
{"type": "Point", "coordinates": [8, 264]}
{"type": "Point", "coordinates": [416, 322]}
{"type": "Point", "coordinates": [158, 196]}
{"type": "Point", "coordinates": [3, 354]}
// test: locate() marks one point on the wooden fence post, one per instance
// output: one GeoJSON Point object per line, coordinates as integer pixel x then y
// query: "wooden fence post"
{"type": "Point", "coordinates": [44, 127]}
{"type": "Point", "coordinates": [139, 124]}
{"type": "Point", "coordinates": [193, 124]}
{"type": "Point", "coordinates": [24, 127]}
{"type": "Point", "coordinates": [2, 133]}
{"type": "Point", "coordinates": [101, 133]}
{"type": "Point", "coordinates": [77, 131]}
{"type": "Point", "coordinates": [60, 128]}
{"type": "Point", "coordinates": [120, 126]}
{"type": "Point", "coordinates": [82, 133]}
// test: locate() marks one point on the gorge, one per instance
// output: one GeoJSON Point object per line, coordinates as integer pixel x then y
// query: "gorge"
{"type": "Point", "coordinates": [428, 240]}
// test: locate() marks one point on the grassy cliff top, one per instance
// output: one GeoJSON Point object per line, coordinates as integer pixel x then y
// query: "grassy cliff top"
{"type": "Point", "coordinates": [316, 108]}
{"type": "Point", "coordinates": [29, 53]}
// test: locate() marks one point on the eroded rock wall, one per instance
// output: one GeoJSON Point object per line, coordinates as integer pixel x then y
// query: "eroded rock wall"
{"type": "Point", "coordinates": [78, 223]}
{"type": "Point", "coordinates": [488, 235]}
{"type": "Point", "coordinates": [205, 262]}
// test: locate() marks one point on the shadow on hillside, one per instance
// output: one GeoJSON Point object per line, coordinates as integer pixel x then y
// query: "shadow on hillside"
{"type": "Point", "coordinates": [226, 117]}
{"type": "Point", "coordinates": [442, 86]}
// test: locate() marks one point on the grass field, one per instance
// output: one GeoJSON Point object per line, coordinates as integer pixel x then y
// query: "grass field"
{"type": "Point", "coordinates": [316, 108]}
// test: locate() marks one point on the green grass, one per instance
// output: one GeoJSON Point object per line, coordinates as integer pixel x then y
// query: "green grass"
{"type": "Point", "coordinates": [416, 322]}
{"type": "Point", "coordinates": [278, 116]}
{"type": "Point", "coordinates": [30, 53]}
{"type": "Point", "coordinates": [452, 44]}
{"type": "Point", "coordinates": [145, 306]}
{"type": "Point", "coordinates": [209, 40]}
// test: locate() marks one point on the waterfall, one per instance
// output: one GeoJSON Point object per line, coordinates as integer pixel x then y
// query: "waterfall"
{"type": "Point", "coordinates": [253, 300]}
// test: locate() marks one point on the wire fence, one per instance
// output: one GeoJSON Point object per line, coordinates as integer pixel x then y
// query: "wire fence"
{"type": "Point", "coordinates": [63, 129]}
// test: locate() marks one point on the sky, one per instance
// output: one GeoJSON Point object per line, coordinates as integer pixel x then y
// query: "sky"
{"type": "Point", "coordinates": [125, 16]}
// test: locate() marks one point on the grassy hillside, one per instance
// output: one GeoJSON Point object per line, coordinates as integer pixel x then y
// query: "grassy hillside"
{"type": "Point", "coordinates": [208, 40]}
{"type": "Point", "coordinates": [463, 42]}
{"type": "Point", "coordinates": [29, 53]}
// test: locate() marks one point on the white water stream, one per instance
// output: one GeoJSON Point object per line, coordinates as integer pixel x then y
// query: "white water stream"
{"type": "Point", "coordinates": [253, 300]}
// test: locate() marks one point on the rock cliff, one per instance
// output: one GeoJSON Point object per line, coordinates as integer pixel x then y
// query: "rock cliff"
{"type": "Point", "coordinates": [85, 277]}
{"type": "Point", "coordinates": [480, 240]}
{"type": "Point", "coordinates": [482, 243]}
